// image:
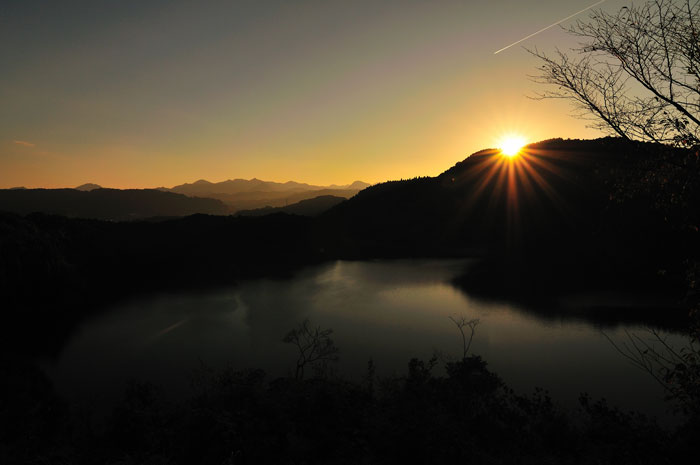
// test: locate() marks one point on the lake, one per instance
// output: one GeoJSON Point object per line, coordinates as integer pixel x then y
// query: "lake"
{"type": "Point", "coordinates": [388, 311]}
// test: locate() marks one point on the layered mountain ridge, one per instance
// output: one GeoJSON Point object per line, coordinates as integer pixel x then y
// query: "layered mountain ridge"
{"type": "Point", "coordinates": [91, 200]}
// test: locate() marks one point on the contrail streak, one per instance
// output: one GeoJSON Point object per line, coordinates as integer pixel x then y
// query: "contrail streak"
{"type": "Point", "coordinates": [169, 328]}
{"type": "Point", "coordinates": [548, 27]}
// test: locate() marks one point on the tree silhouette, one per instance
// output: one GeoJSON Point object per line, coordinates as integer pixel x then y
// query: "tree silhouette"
{"type": "Point", "coordinates": [462, 323]}
{"type": "Point", "coordinates": [637, 72]}
{"type": "Point", "coordinates": [314, 345]}
{"type": "Point", "coordinates": [677, 370]}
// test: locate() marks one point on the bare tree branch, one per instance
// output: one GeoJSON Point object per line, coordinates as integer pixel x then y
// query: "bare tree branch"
{"type": "Point", "coordinates": [462, 323]}
{"type": "Point", "coordinates": [636, 73]}
{"type": "Point", "coordinates": [314, 345]}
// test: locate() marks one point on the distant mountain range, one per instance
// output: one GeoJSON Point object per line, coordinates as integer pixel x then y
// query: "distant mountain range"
{"type": "Point", "coordinates": [247, 194]}
{"type": "Point", "coordinates": [204, 188]}
{"type": "Point", "coordinates": [107, 204]}
{"type": "Point", "coordinates": [93, 201]}
{"type": "Point", "coordinates": [88, 187]}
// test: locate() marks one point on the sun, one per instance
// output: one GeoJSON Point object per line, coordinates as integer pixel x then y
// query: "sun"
{"type": "Point", "coordinates": [511, 145]}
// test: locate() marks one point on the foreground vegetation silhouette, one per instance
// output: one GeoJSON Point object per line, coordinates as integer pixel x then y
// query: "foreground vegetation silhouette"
{"type": "Point", "coordinates": [314, 345]}
{"type": "Point", "coordinates": [437, 412]}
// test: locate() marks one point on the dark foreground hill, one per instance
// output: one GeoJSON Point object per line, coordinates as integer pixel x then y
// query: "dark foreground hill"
{"type": "Point", "coordinates": [564, 213]}
{"type": "Point", "coordinates": [107, 204]}
{"type": "Point", "coordinates": [58, 270]}
{"type": "Point", "coordinates": [308, 207]}
{"type": "Point", "coordinates": [252, 200]}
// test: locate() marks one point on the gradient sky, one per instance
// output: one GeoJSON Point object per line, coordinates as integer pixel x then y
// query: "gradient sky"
{"type": "Point", "coordinates": [157, 93]}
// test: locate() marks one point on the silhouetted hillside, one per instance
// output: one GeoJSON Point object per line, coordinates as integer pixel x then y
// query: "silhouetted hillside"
{"type": "Point", "coordinates": [109, 204]}
{"type": "Point", "coordinates": [309, 207]}
{"type": "Point", "coordinates": [565, 212]}
{"type": "Point", "coordinates": [56, 270]}
{"type": "Point", "coordinates": [254, 200]}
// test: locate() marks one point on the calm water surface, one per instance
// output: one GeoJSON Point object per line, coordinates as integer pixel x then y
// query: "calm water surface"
{"type": "Point", "coordinates": [388, 311]}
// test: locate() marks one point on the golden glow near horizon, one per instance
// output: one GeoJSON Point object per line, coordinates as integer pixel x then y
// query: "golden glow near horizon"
{"type": "Point", "coordinates": [512, 144]}
{"type": "Point", "coordinates": [273, 90]}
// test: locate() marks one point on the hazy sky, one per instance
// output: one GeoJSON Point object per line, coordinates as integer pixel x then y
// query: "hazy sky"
{"type": "Point", "coordinates": [149, 93]}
